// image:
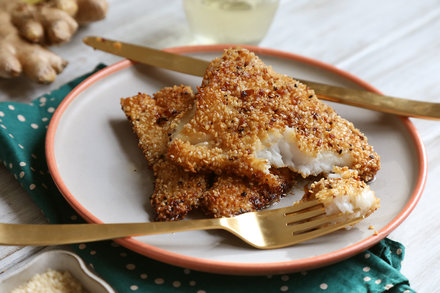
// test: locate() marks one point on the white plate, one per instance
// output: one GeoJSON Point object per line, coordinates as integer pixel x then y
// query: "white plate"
{"type": "Point", "coordinates": [58, 260]}
{"type": "Point", "coordinates": [93, 158]}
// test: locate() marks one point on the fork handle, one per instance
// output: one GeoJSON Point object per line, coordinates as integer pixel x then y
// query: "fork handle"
{"type": "Point", "coordinates": [56, 234]}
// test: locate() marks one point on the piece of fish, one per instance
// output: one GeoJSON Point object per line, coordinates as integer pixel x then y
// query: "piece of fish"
{"type": "Point", "coordinates": [249, 119]}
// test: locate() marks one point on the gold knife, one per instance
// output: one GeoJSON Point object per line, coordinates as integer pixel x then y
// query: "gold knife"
{"type": "Point", "coordinates": [194, 66]}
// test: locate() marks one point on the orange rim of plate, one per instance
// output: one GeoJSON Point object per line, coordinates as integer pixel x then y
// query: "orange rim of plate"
{"type": "Point", "coordinates": [232, 267]}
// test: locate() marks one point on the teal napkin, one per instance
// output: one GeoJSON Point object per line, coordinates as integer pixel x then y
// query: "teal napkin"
{"type": "Point", "coordinates": [22, 134]}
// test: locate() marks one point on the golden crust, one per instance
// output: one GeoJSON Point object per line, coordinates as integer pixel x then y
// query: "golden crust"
{"type": "Point", "coordinates": [240, 101]}
{"type": "Point", "coordinates": [153, 119]}
{"type": "Point", "coordinates": [177, 192]}
{"type": "Point", "coordinates": [230, 196]}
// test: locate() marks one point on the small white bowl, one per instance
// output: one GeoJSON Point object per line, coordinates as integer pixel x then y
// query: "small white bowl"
{"type": "Point", "coordinates": [58, 260]}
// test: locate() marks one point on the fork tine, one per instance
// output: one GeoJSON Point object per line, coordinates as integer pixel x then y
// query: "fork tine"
{"type": "Point", "coordinates": [301, 206]}
{"type": "Point", "coordinates": [301, 237]}
{"type": "Point", "coordinates": [315, 223]}
{"type": "Point", "coordinates": [292, 218]}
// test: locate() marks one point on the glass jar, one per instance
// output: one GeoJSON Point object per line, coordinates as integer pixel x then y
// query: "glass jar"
{"type": "Point", "coordinates": [230, 21]}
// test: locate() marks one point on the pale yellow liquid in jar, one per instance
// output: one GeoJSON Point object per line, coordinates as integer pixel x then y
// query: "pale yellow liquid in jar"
{"type": "Point", "coordinates": [230, 21]}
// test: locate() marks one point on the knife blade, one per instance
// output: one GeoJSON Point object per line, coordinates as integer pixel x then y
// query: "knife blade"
{"type": "Point", "coordinates": [150, 56]}
{"type": "Point", "coordinates": [197, 67]}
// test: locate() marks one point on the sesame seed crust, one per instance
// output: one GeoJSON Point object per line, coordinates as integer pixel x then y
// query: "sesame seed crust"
{"type": "Point", "coordinates": [153, 120]}
{"type": "Point", "coordinates": [230, 196]}
{"type": "Point", "coordinates": [176, 191]}
{"type": "Point", "coordinates": [240, 101]}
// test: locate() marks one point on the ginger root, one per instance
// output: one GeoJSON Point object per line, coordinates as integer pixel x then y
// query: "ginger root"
{"type": "Point", "coordinates": [25, 30]}
{"type": "Point", "coordinates": [18, 56]}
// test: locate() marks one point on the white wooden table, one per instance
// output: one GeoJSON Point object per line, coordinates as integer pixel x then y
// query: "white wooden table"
{"type": "Point", "coordinates": [393, 45]}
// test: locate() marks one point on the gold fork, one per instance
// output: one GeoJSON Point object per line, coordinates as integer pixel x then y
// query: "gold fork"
{"type": "Point", "coordinates": [265, 229]}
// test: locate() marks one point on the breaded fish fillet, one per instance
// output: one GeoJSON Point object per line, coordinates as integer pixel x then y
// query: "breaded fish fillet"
{"type": "Point", "coordinates": [248, 119]}
{"type": "Point", "coordinates": [153, 120]}
{"type": "Point", "coordinates": [177, 192]}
